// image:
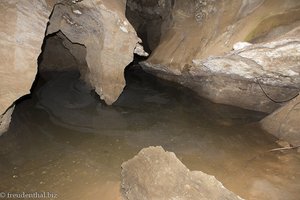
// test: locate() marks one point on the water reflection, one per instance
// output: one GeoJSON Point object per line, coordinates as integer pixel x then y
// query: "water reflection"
{"type": "Point", "coordinates": [64, 140]}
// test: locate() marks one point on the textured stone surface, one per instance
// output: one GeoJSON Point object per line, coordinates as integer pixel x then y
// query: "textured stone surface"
{"type": "Point", "coordinates": [22, 28]}
{"type": "Point", "coordinates": [94, 32]}
{"type": "Point", "coordinates": [196, 51]}
{"type": "Point", "coordinates": [101, 26]}
{"type": "Point", "coordinates": [259, 77]}
{"type": "Point", "coordinates": [284, 123]}
{"type": "Point", "coordinates": [155, 174]}
{"type": "Point", "coordinates": [5, 120]}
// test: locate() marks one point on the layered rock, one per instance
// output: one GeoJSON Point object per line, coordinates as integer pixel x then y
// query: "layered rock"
{"type": "Point", "coordinates": [284, 122]}
{"type": "Point", "coordinates": [196, 51]}
{"type": "Point", "coordinates": [157, 174]}
{"type": "Point", "coordinates": [22, 29]}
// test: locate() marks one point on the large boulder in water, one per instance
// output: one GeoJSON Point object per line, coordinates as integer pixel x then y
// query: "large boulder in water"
{"type": "Point", "coordinates": [155, 174]}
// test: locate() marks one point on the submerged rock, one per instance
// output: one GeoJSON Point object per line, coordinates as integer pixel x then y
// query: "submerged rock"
{"type": "Point", "coordinates": [155, 174]}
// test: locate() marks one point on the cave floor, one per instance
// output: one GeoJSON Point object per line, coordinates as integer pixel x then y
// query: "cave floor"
{"type": "Point", "coordinates": [63, 140]}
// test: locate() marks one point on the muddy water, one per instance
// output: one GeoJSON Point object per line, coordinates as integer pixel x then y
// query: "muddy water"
{"type": "Point", "coordinates": [64, 141]}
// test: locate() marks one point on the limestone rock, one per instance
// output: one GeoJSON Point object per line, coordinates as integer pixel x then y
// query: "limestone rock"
{"type": "Point", "coordinates": [155, 174]}
{"type": "Point", "coordinates": [99, 26]}
{"type": "Point", "coordinates": [258, 77]}
{"type": "Point", "coordinates": [241, 45]}
{"type": "Point", "coordinates": [196, 51]}
{"type": "Point", "coordinates": [139, 50]}
{"type": "Point", "coordinates": [110, 40]}
{"type": "Point", "coordinates": [5, 120]}
{"type": "Point", "coordinates": [22, 29]}
{"type": "Point", "coordinates": [284, 123]}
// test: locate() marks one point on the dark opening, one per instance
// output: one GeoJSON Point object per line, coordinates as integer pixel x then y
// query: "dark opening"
{"type": "Point", "coordinates": [150, 18]}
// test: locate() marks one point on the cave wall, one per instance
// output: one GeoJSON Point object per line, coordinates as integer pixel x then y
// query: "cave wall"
{"type": "Point", "coordinates": [100, 27]}
{"type": "Point", "coordinates": [197, 51]}
{"type": "Point", "coordinates": [22, 28]}
{"type": "Point", "coordinates": [61, 55]}
{"type": "Point", "coordinates": [109, 39]}
{"type": "Point", "coordinates": [151, 19]}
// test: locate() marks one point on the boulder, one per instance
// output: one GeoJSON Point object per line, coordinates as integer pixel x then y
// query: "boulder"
{"type": "Point", "coordinates": [261, 73]}
{"type": "Point", "coordinates": [284, 123]}
{"type": "Point", "coordinates": [155, 174]}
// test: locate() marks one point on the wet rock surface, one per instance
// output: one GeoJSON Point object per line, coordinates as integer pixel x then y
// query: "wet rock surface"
{"type": "Point", "coordinates": [157, 174]}
{"type": "Point", "coordinates": [258, 77]}
{"type": "Point", "coordinates": [196, 51]}
{"type": "Point", "coordinates": [284, 122]}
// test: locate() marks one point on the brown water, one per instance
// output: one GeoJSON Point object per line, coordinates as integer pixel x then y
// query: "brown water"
{"type": "Point", "coordinates": [64, 141]}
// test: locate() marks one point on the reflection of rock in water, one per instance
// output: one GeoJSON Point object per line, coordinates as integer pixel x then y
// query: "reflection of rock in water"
{"type": "Point", "coordinates": [71, 103]}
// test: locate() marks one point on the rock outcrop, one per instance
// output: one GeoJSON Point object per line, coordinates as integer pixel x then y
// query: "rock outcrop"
{"type": "Point", "coordinates": [197, 51]}
{"type": "Point", "coordinates": [158, 175]}
{"type": "Point", "coordinates": [109, 39]}
{"type": "Point", "coordinates": [284, 123]}
{"type": "Point", "coordinates": [98, 28]}
{"type": "Point", "coordinates": [22, 29]}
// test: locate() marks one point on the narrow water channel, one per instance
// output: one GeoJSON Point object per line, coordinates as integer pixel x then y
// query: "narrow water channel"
{"type": "Point", "coordinates": [65, 141]}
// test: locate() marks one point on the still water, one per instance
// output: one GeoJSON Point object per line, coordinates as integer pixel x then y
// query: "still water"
{"type": "Point", "coordinates": [65, 141]}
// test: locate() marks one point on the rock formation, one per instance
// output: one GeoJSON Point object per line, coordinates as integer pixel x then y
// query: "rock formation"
{"type": "Point", "coordinates": [156, 174]}
{"type": "Point", "coordinates": [151, 18]}
{"type": "Point", "coordinates": [22, 29]}
{"type": "Point", "coordinates": [196, 51]}
{"type": "Point", "coordinates": [284, 122]}
{"type": "Point", "coordinates": [98, 27]}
